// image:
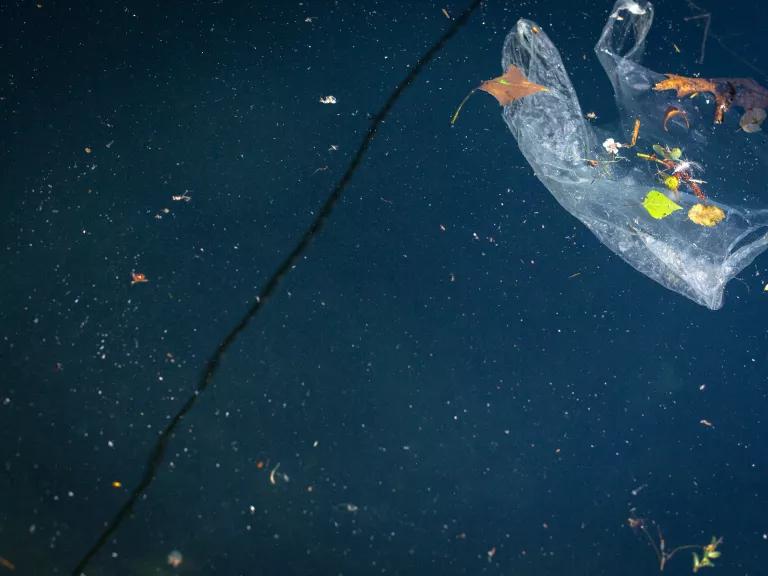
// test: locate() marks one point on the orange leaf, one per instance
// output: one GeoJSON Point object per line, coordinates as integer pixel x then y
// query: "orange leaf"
{"type": "Point", "coordinates": [635, 132]}
{"type": "Point", "coordinates": [691, 86]}
{"type": "Point", "coordinates": [743, 92]}
{"type": "Point", "coordinates": [510, 86]}
{"type": "Point", "coordinates": [686, 86]}
{"type": "Point", "coordinates": [674, 111]}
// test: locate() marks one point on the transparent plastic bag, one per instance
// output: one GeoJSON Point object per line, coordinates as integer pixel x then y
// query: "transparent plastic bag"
{"type": "Point", "coordinates": [568, 156]}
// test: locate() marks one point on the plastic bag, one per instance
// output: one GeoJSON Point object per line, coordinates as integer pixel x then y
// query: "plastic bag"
{"type": "Point", "coordinates": [606, 190]}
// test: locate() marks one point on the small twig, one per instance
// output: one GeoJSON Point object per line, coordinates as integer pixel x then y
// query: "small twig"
{"type": "Point", "coordinates": [708, 18]}
{"type": "Point", "coordinates": [659, 545]}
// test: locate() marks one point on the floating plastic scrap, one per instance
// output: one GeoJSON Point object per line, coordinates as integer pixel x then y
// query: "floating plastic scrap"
{"type": "Point", "coordinates": [706, 159]}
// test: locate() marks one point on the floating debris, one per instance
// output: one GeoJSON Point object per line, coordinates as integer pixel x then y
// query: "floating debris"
{"type": "Point", "coordinates": [175, 558]}
{"type": "Point", "coordinates": [138, 278]}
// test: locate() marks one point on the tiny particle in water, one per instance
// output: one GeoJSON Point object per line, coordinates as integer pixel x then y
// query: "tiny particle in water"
{"type": "Point", "coordinates": [175, 558]}
{"type": "Point", "coordinates": [273, 474]}
{"type": "Point", "coordinates": [138, 278]}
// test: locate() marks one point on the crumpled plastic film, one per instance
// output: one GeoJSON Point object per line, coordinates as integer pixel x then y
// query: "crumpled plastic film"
{"type": "Point", "coordinates": [607, 194]}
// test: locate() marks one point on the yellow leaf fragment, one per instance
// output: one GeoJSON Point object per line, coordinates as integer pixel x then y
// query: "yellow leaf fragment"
{"type": "Point", "coordinates": [672, 182]}
{"type": "Point", "coordinates": [705, 215]}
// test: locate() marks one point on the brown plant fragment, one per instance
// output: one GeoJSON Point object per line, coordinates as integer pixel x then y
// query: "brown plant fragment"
{"type": "Point", "coordinates": [742, 92]}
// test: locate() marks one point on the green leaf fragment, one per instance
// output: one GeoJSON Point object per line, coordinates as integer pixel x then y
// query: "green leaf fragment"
{"type": "Point", "coordinates": [667, 153]}
{"type": "Point", "coordinates": [658, 205]}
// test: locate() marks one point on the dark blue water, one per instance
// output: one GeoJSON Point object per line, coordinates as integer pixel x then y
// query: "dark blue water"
{"type": "Point", "coordinates": [457, 379]}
